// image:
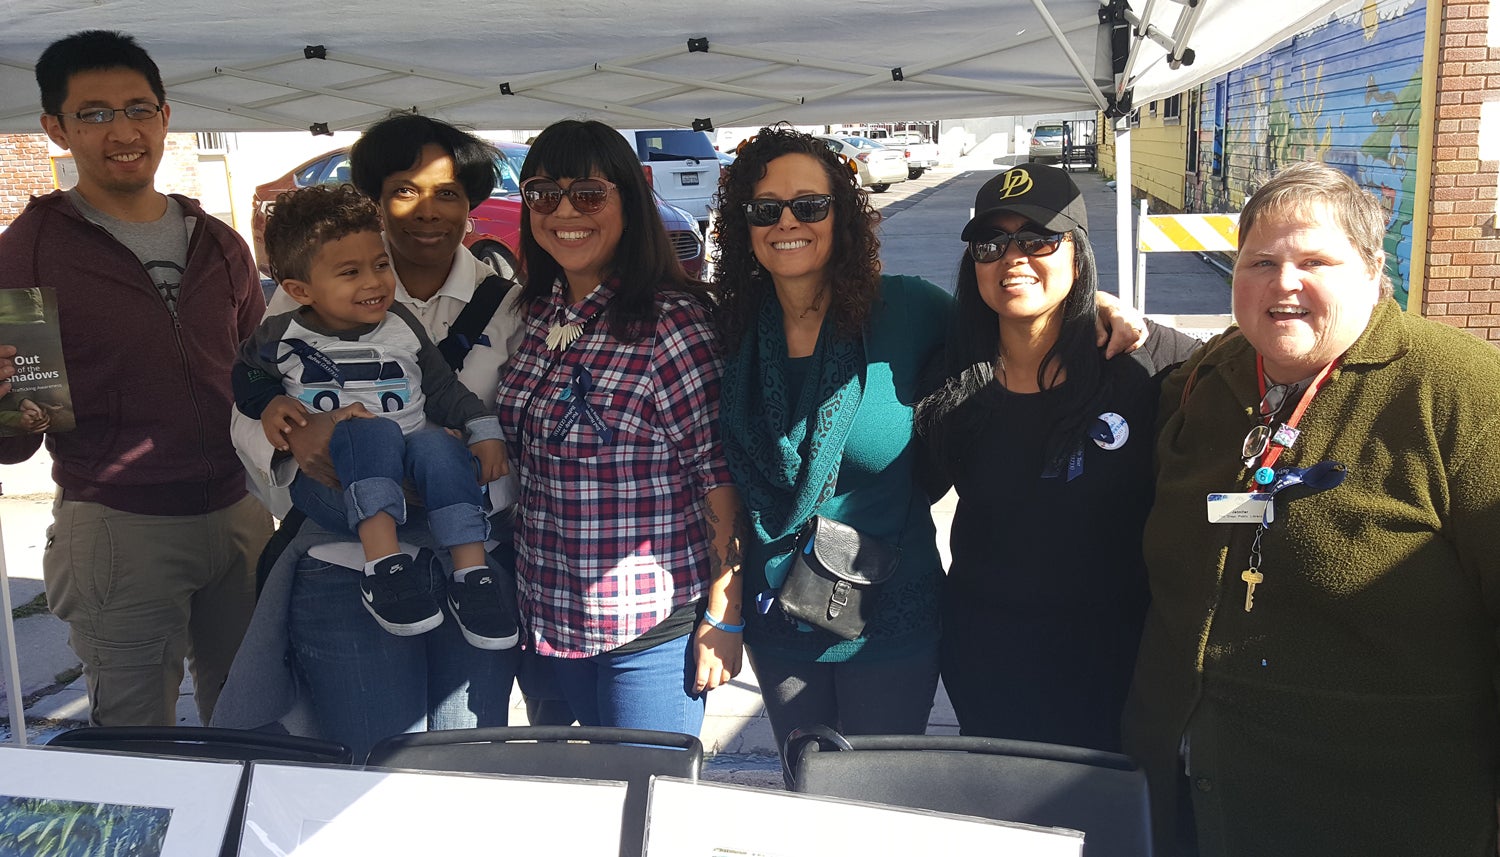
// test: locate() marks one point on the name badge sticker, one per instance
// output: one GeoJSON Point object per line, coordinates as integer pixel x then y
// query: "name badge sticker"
{"type": "Point", "coordinates": [1256, 508]}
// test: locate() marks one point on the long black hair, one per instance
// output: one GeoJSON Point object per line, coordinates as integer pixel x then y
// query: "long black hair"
{"type": "Point", "coordinates": [853, 268]}
{"type": "Point", "coordinates": [975, 339]}
{"type": "Point", "coordinates": [644, 261]}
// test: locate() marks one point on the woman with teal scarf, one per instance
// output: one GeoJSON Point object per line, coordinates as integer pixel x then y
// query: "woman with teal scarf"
{"type": "Point", "coordinates": [823, 360]}
{"type": "Point", "coordinates": [824, 357]}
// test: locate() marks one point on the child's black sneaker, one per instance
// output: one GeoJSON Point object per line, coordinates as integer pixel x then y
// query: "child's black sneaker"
{"type": "Point", "coordinates": [399, 595]}
{"type": "Point", "coordinates": [485, 608]}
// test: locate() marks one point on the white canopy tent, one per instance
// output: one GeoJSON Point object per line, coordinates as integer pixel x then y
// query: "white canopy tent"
{"type": "Point", "coordinates": [335, 65]}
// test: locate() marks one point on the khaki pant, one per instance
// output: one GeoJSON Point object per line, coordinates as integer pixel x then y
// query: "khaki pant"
{"type": "Point", "coordinates": [142, 592]}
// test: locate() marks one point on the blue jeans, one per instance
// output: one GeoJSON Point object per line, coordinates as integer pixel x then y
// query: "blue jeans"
{"type": "Point", "coordinates": [644, 690]}
{"type": "Point", "coordinates": [367, 684]}
{"type": "Point", "coordinates": [372, 458]}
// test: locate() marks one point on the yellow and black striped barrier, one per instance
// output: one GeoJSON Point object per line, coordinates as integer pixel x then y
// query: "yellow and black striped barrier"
{"type": "Point", "coordinates": [1175, 233]}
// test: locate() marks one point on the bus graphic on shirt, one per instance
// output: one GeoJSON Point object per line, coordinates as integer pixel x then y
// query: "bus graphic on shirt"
{"type": "Point", "coordinates": [381, 385]}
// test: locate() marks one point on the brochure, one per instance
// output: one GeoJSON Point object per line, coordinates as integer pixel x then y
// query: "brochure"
{"type": "Point", "coordinates": [38, 400]}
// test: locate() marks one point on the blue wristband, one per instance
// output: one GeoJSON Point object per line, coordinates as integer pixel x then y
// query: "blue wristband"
{"type": "Point", "coordinates": [722, 626]}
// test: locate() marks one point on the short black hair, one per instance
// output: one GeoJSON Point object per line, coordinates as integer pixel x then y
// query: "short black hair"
{"type": "Point", "coordinates": [395, 144]}
{"type": "Point", "coordinates": [92, 50]}
{"type": "Point", "coordinates": [302, 221]}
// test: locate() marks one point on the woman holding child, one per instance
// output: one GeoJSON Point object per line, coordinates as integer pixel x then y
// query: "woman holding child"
{"type": "Point", "coordinates": [314, 658]}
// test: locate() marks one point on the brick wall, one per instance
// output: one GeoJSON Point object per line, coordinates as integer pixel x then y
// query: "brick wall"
{"type": "Point", "coordinates": [25, 171]}
{"type": "Point", "coordinates": [1463, 252]}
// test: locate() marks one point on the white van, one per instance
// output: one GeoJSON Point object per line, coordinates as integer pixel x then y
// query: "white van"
{"type": "Point", "coordinates": [682, 166]}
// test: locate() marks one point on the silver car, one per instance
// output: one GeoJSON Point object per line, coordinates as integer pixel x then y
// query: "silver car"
{"type": "Point", "coordinates": [879, 167]}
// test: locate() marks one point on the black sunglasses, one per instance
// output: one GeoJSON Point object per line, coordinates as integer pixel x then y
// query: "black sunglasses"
{"type": "Point", "coordinates": [543, 195]}
{"type": "Point", "coordinates": [1029, 243]}
{"type": "Point", "coordinates": [807, 209]}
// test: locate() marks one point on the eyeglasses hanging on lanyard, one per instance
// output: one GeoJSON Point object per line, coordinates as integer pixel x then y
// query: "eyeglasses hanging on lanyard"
{"type": "Point", "coordinates": [1262, 446]}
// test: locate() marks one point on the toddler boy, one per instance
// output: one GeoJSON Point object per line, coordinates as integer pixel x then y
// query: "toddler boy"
{"type": "Point", "coordinates": [353, 355]}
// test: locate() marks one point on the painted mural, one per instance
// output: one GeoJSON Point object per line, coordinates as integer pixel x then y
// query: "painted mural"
{"type": "Point", "coordinates": [1347, 93]}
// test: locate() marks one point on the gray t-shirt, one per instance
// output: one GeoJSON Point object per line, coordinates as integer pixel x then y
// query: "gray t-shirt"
{"type": "Point", "coordinates": [161, 244]}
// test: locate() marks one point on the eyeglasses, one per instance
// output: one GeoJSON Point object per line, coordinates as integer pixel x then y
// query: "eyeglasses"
{"type": "Point", "coordinates": [1029, 243]}
{"type": "Point", "coordinates": [1274, 400]}
{"type": "Point", "coordinates": [105, 115]}
{"type": "Point", "coordinates": [588, 196]}
{"type": "Point", "coordinates": [807, 209]}
{"type": "Point", "coordinates": [1255, 443]}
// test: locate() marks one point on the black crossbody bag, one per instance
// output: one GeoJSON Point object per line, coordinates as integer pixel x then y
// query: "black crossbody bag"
{"type": "Point", "coordinates": [836, 576]}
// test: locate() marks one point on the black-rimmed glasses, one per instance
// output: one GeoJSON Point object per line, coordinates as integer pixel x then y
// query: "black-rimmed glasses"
{"type": "Point", "coordinates": [807, 209]}
{"type": "Point", "coordinates": [1274, 400]}
{"type": "Point", "coordinates": [543, 195]}
{"type": "Point", "coordinates": [1029, 243]}
{"type": "Point", "coordinates": [105, 115]}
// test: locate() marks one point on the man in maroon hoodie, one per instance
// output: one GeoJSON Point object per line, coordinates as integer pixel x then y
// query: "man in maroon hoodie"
{"type": "Point", "coordinates": [151, 555]}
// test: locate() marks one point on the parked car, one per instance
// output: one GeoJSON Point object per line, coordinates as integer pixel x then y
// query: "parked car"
{"type": "Point", "coordinates": [682, 166]}
{"type": "Point", "coordinates": [879, 167]}
{"type": "Point", "coordinates": [920, 154]}
{"type": "Point", "coordinates": [1064, 142]}
{"type": "Point", "coordinates": [496, 236]}
{"type": "Point", "coordinates": [1046, 143]}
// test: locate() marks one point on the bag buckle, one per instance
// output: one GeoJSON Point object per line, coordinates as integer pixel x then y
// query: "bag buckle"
{"type": "Point", "coordinates": [839, 599]}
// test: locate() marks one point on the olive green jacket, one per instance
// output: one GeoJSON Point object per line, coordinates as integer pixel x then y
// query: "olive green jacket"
{"type": "Point", "coordinates": [1353, 710]}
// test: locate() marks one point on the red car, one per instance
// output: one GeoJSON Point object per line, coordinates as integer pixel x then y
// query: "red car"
{"type": "Point", "coordinates": [497, 220]}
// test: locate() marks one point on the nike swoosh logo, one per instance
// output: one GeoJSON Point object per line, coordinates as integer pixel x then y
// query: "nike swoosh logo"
{"type": "Point", "coordinates": [369, 596]}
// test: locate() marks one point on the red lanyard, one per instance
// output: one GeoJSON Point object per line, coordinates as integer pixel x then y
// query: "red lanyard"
{"type": "Point", "coordinates": [1273, 449]}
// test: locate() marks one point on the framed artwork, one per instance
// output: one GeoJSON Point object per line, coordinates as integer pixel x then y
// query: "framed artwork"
{"type": "Point", "coordinates": [313, 810]}
{"type": "Point", "coordinates": [782, 824]}
{"type": "Point", "coordinates": [58, 802]}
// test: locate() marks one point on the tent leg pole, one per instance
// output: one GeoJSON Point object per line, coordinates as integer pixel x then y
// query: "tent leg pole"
{"type": "Point", "coordinates": [1124, 220]}
{"type": "Point", "coordinates": [13, 689]}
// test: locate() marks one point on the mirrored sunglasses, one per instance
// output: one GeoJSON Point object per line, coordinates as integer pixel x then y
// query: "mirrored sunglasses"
{"type": "Point", "coordinates": [1029, 243]}
{"type": "Point", "coordinates": [543, 195]}
{"type": "Point", "coordinates": [807, 209]}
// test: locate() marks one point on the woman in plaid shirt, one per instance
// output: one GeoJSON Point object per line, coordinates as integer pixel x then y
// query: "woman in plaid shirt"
{"type": "Point", "coordinates": [626, 550]}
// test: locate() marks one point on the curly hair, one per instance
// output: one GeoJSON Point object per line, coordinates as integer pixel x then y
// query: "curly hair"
{"type": "Point", "coordinates": [302, 221]}
{"type": "Point", "coordinates": [853, 273]}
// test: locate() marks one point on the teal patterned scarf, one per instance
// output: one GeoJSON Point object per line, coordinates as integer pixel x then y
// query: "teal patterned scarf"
{"type": "Point", "coordinates": [785, 455]}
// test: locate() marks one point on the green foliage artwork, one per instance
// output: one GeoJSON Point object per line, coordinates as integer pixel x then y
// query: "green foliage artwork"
{"type": "Point", "coordinates": [42, 827]}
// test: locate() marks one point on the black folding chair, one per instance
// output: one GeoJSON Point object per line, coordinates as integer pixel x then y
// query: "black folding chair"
{"type": "Point", "coordinates": [1101, 794]}
{"type": "Point", "coordinates": [631, 756]}
{"type": "Point", "coordinates": [201, 742]}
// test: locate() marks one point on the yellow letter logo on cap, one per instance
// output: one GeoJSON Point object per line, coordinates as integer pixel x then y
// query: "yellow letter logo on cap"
{"type": "Point", "coordinates": [1016, 182]}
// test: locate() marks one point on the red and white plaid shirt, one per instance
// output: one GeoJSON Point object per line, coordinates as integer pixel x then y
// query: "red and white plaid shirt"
{"type": "Point", "coordinates": [611, 534]}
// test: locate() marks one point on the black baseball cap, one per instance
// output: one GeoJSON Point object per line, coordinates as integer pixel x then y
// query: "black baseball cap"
{"type": "Point", "coordinates": [1042, 194]}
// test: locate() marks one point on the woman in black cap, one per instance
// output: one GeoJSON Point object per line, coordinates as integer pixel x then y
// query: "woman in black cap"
{"type": "Point", "coordinates": [1049, 446]}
